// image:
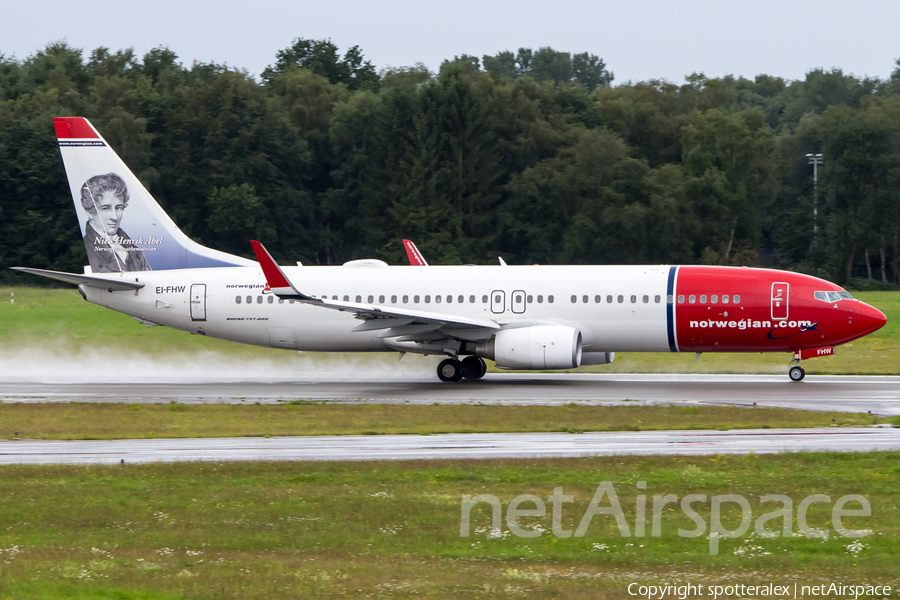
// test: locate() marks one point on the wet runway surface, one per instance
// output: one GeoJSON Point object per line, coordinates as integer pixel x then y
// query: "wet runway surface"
{"type": "Point", "coordinates": [878, 394]}
{"type": "Point", "coordinates": [450, 446]}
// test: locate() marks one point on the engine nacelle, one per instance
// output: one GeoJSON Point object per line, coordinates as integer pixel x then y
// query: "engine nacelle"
{"type": "Point", "coordinates": [536, 347]}
{"type": "Point", "coordinates": [597, 358]}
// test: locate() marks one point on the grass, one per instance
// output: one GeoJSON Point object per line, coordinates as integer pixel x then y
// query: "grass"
{"type": "Point", "coordinates": [59, 318]}
{"type": "Point", "coordinates": [121, 421]}
{"type": "Point", "coordinates": [391, 529]}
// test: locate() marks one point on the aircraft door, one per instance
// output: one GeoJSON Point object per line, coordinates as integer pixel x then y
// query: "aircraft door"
{"type": "Point", "coordinates": [498, 302]}
{"type": "Point", "coordinates": [198, 302]}
{"type": "Point", "coordinates": [518, 302]}
{"type": "Point", "coordinates": [780, 293]}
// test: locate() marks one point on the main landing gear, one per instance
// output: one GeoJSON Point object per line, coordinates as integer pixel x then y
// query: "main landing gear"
{"type": "Point", "coordinates": [471, 367]}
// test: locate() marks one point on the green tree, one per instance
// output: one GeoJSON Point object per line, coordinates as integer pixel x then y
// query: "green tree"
{"type": "Point", "coordinates": [322, 58]}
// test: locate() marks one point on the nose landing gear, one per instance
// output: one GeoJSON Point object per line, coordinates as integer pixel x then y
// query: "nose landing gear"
{"type": "Point", "coordinates": [796, 373]}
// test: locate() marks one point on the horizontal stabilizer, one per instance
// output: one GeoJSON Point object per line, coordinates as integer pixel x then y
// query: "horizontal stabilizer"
{"type": "Point", "coordinates": [111, 284]}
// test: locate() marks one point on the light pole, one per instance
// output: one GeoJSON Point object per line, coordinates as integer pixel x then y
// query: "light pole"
{"type": "Point", "coordinates": [815, 160]}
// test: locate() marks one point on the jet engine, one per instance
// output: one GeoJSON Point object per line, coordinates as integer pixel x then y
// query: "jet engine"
{"type": "Point", "coordinates": [535, 347]}
{"type": "Point", "coordinates": [597, 358]}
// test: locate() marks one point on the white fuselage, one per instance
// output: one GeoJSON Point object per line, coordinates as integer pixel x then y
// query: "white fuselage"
{"type": "Point", "coordinates": [235, 304]}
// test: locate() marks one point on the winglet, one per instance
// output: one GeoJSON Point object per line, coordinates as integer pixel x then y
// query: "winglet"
{"type": "Point", "coordinates": [275, 277]}
{"type": "Point", "coordinates": [412, 253]}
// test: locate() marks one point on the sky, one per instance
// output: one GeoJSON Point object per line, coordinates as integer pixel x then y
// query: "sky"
{"type": "Point", "coordinates": [638, 40]}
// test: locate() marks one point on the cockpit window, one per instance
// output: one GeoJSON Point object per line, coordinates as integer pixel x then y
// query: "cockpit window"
{"type": "Point", "coordinates": [833, 296]}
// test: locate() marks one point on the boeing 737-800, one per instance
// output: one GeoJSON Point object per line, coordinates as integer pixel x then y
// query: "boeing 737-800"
{"type": "Point", "coordinates": [521, 317]}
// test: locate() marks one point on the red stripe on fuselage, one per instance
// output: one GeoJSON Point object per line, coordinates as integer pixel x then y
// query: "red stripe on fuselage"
{"type": "Point", "coordinates": [751, 325]}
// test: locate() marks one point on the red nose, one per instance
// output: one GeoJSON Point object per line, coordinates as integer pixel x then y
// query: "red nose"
{"type": "Point", "coordinates": [869, 318]}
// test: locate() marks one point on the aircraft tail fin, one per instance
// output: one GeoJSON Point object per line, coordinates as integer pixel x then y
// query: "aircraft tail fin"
{"type": "Point", "coordinates": [109, 200]}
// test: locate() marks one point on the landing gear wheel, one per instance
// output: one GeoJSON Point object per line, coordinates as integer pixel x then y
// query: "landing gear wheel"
{"type": "Point", "coordinates": [450, 370]}
{"type": "Point", "coordinates": [797, 373]}
{"type": "Point", "coordinates": [473, 367]}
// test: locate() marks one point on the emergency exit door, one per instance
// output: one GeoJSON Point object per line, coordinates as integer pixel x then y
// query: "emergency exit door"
{"type": "Point", "coordinates": [198, 302]}
{"type": "Point", "coordinates": [498, 302]}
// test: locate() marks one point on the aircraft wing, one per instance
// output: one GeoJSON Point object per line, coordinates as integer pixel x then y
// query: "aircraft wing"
{"type": "Point", "coordinates": [409, 325]}
{"type": "Point", "coordinates": [112, 284]}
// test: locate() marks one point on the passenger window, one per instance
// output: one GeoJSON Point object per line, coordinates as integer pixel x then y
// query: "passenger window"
{"type": "Point", "coordinates": [393, 299]}
{"type": "Point", "coordinates": [471, 299]}
{"type": "Point", "coordinates": [550, 299]}
{"type": "Point", "coordinates": [574, 298]}
{"type": "Point", "coordinates": [702, 298]}
{"type": "Point", "coordinates": [271, 299]}
{"type": "Point", "coordinates": [281, 301]}
{"type": "Point", "coordinates": [518, 298]}
{"type": "Point", "coordinates": [609, 299]}
{"type": "Point", "coordinates": [291, 301]}
{"type": "Point", "coordinates": [237, 299]}
{"type": "Point", "coordinates": [737, 299]}
{"type": "Point", "coordinates": [449, 298]}
{"type": "Point", "coordinates": [437, 299]}
{"type": "Point", "coordinates": [540, 299]}
{"type": "Point", "coordinates": [692, 299]}
{"type": "Point", "coordinates": [633, 299]}
{"type": "Point", "coordinates": [359, 298]}
{"type": "Point", "coordinates": [249, 299]}
{"type": "Point", "coordinates": [484, 299]}
{"type": "Point", "coordinates": [334, 297]}
{"type": "Point", "coordinates": [498, 299]}
{"type": "Point", "coordinates": [416, 299]}
{"type": "Point", "coordinates": [405, 299]}
{"type": "Point", "coordinates": [259, 299]}
{"type": "Point", "coordinates": [597, 299]}
{"type": "Point", "coordinates": [427, 298]}
{"type": "Point", "coordinates": [646, 299]}
{"type": "Point", "coordinates": [714, 299]}
{"type": "Point", "coordinates": [725, 299]}
{"type": "Point", "coordinates": [462, 299]}
{"type": "Point", "coordinates": [371, 299]}
{"type": "Point", "coordinates": [346, 298]}
{"type": "Point", "coordinates": [380, 299]}
{"type": "Point", "coordinates": [621, 299]}
{"type": "Point", "coordinates": [529, 299]}
{"type": "Point", "coordinates": [657, 299]}
{"type": "Point", "coordinates": [680, 298]}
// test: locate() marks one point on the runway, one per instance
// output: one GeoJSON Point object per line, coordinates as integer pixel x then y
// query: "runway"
{"type": "Point", "coordinates": [450, 446]}
{"type": "Point", "coordinates": [878, 394]}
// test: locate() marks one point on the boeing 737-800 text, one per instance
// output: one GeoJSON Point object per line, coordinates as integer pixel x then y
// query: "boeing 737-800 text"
{"type": "Point", "coordinates": [521, 317]}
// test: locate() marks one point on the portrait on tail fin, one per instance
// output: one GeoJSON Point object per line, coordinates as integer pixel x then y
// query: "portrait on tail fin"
{"type": "Point", "coordinates": [109, 248]}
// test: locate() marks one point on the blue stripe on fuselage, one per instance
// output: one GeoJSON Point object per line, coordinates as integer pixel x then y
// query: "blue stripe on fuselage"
{"type": "Point", "coordinates": [670, 309]}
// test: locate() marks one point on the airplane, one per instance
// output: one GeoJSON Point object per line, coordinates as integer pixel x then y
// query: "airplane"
{"type": "Point", "coordinates": [528, 317]}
